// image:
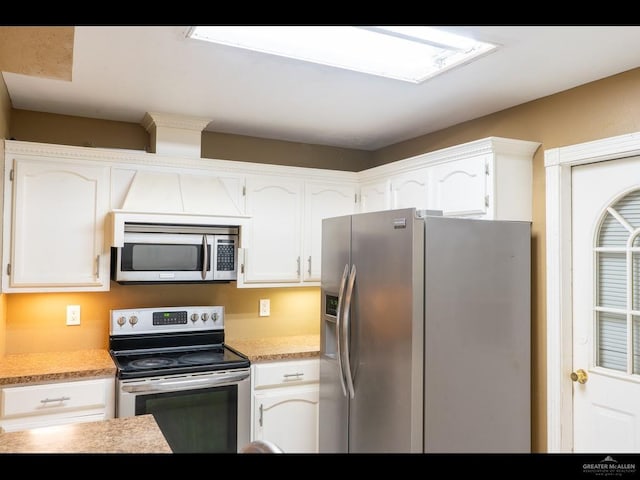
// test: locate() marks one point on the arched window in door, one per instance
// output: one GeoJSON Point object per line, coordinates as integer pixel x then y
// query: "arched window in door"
{"type": "Point", "coordinates": [617, 309]}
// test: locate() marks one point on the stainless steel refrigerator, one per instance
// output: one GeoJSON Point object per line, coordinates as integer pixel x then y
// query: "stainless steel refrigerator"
{"type": "Point", "coordinates": [425, 334]}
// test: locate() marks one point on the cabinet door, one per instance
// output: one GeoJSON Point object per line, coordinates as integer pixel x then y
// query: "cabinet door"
{"type": "Point", "coordinates": [273, 237]}
{"type": "Point", "coordinates": [375, 196]}
{"type": "Point", "coordinates": [322, 201]}
{"type": "Point", "coordinates": [410, 190]}
{"type": "Point", "coordinates": [288, 417]}
{"type": "Point", "coordinates": [460, 187]}
{"type": "Point", "coordinates": [57, 228]}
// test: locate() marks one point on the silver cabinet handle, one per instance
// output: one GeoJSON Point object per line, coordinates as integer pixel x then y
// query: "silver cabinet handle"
{"type": "Point", "coordinates": [98, 266]}
{"type": "Point", "coordinates": [261, 415]}
{"type": "Point", "coordinates": [50, 400]}
{"type": "Point", "coordinates": [298, 266]}
{"type": "Point", "coordinates": [309, 265]}
{"type": "Point", "coordinates": [293, 376]}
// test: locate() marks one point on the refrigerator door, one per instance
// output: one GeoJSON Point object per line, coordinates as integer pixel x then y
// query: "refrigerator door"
{"type": "Point", "coordinates": [386, 334]}
{"type": "Point", "coordinates": [477, 336]}
{"type": "Point", "coordinates": [333, 404]}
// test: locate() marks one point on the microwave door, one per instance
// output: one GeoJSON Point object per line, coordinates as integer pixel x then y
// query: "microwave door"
{"type": "Point", "coordinates": [165, 257]}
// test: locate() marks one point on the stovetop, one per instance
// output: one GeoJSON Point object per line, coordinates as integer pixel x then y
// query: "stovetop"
{"type": "Point", "coordinates": [137, 364]}
{"type": "Point", "coordinates": [150, 342]}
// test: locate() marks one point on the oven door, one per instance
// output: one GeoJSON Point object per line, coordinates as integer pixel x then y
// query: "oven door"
{"type": "Point", "coordinates": [197, 413]}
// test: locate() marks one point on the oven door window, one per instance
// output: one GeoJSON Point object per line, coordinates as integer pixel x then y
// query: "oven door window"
{"type": "Point", "coordinates": [195, 421]}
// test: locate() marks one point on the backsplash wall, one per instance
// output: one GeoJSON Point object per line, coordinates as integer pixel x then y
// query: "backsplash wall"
{"type": "Point", "coordinates": [36, 322]}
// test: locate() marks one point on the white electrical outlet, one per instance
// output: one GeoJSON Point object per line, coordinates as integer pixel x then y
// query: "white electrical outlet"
{"type": "Point", "coordinates": [73, 314]}
{"type": "Point", "coordinates": [265, 307]}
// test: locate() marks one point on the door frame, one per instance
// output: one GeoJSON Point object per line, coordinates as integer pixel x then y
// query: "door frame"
{"type": "Point", "coordinates": [558, 163]}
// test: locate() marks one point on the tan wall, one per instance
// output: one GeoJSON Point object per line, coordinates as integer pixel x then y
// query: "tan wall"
{"type": "Point", "coordinates": [5, 109]}
{"type": "Point", "coordinates": [238, 147]}
{"type": "Point", "coordinates": [36, 322]}
{"type": "Point", "coordinates": [85, 132]}
{"type": "Point", "coordinates": [601, 109]}
{"type": "Point", "coordinates": [78, 131]}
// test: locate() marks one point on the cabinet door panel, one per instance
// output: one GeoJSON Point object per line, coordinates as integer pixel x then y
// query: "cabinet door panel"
{"type": "Point", "coordinates": [375, 196]}
{"type": "Point", "coordinates": [288, 417]}
{"type": "Point", "coordinates": [57, 231]}
{"type": "Point", "coordinates": [273, 239]}
{"type": "Point", "coordinates": [410, 190]}
{"type": "Point", "coordinates": [461, 187]}
{"type": "Point", "coordinates": [322, 201]}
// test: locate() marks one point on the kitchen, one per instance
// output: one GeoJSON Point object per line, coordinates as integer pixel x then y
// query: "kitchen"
{"type": "Point", "coordinates": [592, 111]}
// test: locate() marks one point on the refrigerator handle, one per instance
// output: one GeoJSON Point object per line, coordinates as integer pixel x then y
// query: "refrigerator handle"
{"type": "Point", "coordinates": [345, 331]}
{"type": "Point", "coordinates": [343, 283]}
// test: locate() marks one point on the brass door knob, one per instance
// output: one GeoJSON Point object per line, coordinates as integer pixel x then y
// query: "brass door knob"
{"type": "Point", "coordinates": [579, 376]}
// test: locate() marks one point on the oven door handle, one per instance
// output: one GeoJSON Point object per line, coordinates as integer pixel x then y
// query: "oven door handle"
{"type": "Point", "coordinates": [185, 384]}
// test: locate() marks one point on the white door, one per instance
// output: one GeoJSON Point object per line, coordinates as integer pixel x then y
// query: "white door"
{"type": "Point", "coordinates": [606, 306]}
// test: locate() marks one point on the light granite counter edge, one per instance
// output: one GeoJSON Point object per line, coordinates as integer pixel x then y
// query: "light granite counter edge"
{"type": "Point", "coordinates": [278, 348]}
{"type": "Point", "coordinates": [27, 368]}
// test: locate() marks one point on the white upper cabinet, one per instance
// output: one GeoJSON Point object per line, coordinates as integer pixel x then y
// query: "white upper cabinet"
{"type": "Point", "coordinates": [272, 239]}
{"type": "Point", "coordinates": [395, 190]}
{"type": "Point", "coordinates": [410, 189]}
{"type": "Point", "coordinates": [375, 195]}
{"type": "Point", "coordinates": [53, 237]}
{"type": "Point", "coordinates": [56, 199]}
{"type": "Point", "coordinates": [460, 188]}
{"type": "Point", "coordinates": [282, 240]}
{"type": "Point", "coordinates": [489, 178]}
{"type": "Point", "coordinates": [322, 200]}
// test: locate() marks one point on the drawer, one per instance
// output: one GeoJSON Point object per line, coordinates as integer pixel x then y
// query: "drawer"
{"type": "Point", "coordinates": [293, 372]}
{"type": "Point", "coordinates": [53, 397]}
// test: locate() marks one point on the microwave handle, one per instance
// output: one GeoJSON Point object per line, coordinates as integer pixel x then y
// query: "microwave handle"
{"type": "Point", "coordinates": [205, 257]}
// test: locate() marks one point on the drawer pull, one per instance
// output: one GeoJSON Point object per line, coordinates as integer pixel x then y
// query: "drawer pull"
{"type": "Point", "coordinates": [60, 399]}
{"type": "Point", "coordinates": [293, 376]}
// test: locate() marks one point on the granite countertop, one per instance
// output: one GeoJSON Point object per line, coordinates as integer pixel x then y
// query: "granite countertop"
{"type": "Point", "coordinates": [278, 348]}
{"type": "Point", "coordinates": [54, 366]}
{"type": "Point", "coordinates": [139, 434]}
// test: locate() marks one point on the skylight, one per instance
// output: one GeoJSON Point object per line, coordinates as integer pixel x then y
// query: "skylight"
{"type": "Point", "coordinates": [409, 53]}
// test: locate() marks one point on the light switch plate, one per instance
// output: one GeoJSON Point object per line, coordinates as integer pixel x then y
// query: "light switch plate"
{"type": "Point", "coordinates": [73, 314]}
{"type": "Point", "coordinates": [265, 307]}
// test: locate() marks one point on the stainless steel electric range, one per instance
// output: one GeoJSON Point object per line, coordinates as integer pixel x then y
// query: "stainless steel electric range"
{"type": "Point", "coordinates": [172, 363]}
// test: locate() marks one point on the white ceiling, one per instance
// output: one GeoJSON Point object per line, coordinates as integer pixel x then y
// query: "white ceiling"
{"type": "Point", "coordinates": [119, 73]}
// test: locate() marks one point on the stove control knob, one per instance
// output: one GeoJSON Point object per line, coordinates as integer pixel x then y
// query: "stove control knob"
{"type": "Point", "coordinates": [194, 317]}
{"type": "Point", "coordinates": [133, 320]}
{"type": "Point", "coordinates": [214, 316]}
{"type": "Point", "coordinates": [121, 320]}
{"type": "Point", "coordinates": [205, 317]}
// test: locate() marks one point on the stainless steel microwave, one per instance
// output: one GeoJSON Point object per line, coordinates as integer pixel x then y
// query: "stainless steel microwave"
{"type": "Point", "coordinates": [172, 253]}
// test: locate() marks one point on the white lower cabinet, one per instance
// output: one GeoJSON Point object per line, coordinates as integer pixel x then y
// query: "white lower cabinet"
{"type": "Point", "coordinates": [285, 404]}
{"type": "Point", "coordinates": [23, 407]}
